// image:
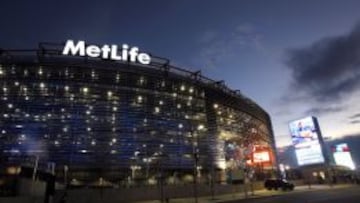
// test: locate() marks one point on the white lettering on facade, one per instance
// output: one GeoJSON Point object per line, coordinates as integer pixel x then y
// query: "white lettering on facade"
{"type": "Point", "coordinates": [111, 52]}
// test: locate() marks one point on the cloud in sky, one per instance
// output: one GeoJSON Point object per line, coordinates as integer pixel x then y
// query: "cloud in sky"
{"type": "Point", "coordinates": [354, 119]}
{"type": "Point", "coordinates": [355, 122]}
{"type": "Point", "coordinates": [217, 47]}
{"type": "Point", "coordinates": [325, 82]}
{"type": "Point", "coordinates": [323, 110]}
{"type": "Point", "coordinates": [328, 70]}
{"type": "Point", "coordinates": [357, 115]}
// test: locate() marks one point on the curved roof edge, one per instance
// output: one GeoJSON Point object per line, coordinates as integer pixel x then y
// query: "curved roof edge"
{"type": "Point", "coordinates": [54, 51]}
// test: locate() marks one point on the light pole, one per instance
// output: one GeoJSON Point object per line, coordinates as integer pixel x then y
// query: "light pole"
{"type": "Point", "coordinates": [147, 162]}
{"type": "Point", "coordinates": [282, 171]}
{"type": "Point", "coordinates": [287, 171]}
{"type": "Point", "coordinates": [35, 167]}
{"type": "Point", "coordinates": [134, 168]}
{"type": "Point", "coordinates": [195, 152]}
{"type": "Point", "coordinates": [160, 175]}
{"type": "Point", "coordinates": [66, 170]}
{"type": "Point", "coordinates": [196, 158]}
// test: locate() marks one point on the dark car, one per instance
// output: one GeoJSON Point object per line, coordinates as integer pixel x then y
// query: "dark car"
{"type": "Point", "coordinates": [278, 183]}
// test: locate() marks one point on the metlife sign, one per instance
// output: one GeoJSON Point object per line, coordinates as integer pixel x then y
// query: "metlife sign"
{"type": "Point", "coordinates": [126, 54]}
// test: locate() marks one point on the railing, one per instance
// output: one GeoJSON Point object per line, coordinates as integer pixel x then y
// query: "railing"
{"type": "Point", "coordinates": [54, 50]}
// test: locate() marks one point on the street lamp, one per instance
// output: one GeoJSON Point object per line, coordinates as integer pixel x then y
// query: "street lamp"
{"type": "Point", "coordinates": [66, 170]}
{"type": "Point", "coordinates": [196, 157]}
{"type": "Point", "coordinates": [282, 170]}
{"type": "Point", "coordinates": [199, 171]}
{"type": "Point", "coordinates": [36, 164]}
{"type": "Point", "coordinates": [147, 162]}
{"type": "Point", "coordinates": [160, 157]}
{"type": "Point", "coordinates": [134, 168]}
{"type": "Point", "coordinates": [287, 171]}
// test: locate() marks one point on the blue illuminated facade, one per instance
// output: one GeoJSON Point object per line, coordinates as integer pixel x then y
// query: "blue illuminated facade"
{"type": "Point", "coordinates": [101, 118]}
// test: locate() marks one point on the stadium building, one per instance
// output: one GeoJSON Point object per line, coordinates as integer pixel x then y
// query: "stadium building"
{"type": "Point", "coordinates": [92, 118]}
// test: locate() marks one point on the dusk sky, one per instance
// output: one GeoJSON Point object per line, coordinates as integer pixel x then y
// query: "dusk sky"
{"type": "Point", "coordinates": [294, 58]}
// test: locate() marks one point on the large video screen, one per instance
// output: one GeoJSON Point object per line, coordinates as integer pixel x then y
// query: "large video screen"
{"type": "Point", "coordinates": [305, 138]}
{"type": "Point", "coordinates": [342, 156]}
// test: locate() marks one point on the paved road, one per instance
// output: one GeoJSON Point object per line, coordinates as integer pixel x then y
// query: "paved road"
{"type": "Point", "coordinates": [334, 195]}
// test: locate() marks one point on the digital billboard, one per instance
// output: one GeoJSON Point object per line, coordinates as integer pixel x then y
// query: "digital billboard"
{"type": "Point", "coordinates": [342, 156]}
{"type": "Point", "coordinates": [260, 157]}
{"type": "Point", "coordinates": [305, 139]}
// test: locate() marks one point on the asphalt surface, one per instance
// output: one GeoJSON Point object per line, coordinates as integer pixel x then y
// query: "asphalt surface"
{"type": "Point", "coordinates": [333, 195]}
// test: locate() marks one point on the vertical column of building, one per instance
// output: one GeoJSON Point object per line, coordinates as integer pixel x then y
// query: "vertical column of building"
{"type": "Point", "coordinates": [211, 138]}
{"type": "Point", "coordinates": [273, 147]}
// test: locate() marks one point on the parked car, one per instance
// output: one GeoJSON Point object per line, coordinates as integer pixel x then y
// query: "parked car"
{"type": "Point", "coordinates": [278, 183]}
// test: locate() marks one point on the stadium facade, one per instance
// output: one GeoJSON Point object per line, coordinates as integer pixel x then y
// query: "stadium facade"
{"type": "Point", "coordinates": [98, 118]}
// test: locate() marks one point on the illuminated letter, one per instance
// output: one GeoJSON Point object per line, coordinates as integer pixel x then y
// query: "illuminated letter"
{"type": "Point", "coordinates": [114, 53]}
{"type": "Point", "coordinates": [124, 51]}
{"type": "Point", "coordinates": [144, 58]}
{"type": "Point", "coordinates": [93, 51]}
{"type": "Point", "coordinates": [106, 50]}
{"type": "Point", "coordinates": [70, 47]}
{"type": "Point", "coordinates": [133, 53]}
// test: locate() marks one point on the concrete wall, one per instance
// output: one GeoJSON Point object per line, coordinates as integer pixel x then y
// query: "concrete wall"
{"type": "Point", "coordinates": [110, 195]}
{"type": "Point", "coordinates": [28, 187]}
{"type": "Point", "coordinates": [21, 199]}
{"type": "Point", "coordinates": [28, 191]}
{"type": "Point", "coordinates": [148, 193]}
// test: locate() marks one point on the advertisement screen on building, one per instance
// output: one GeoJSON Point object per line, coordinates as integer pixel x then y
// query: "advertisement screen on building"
{"type": "Point", "coordinates": [342, 156]}
{"type": "Point", "coordinates": [305, 139]}
{"type": "Point", "coordinates": [260, 157]}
